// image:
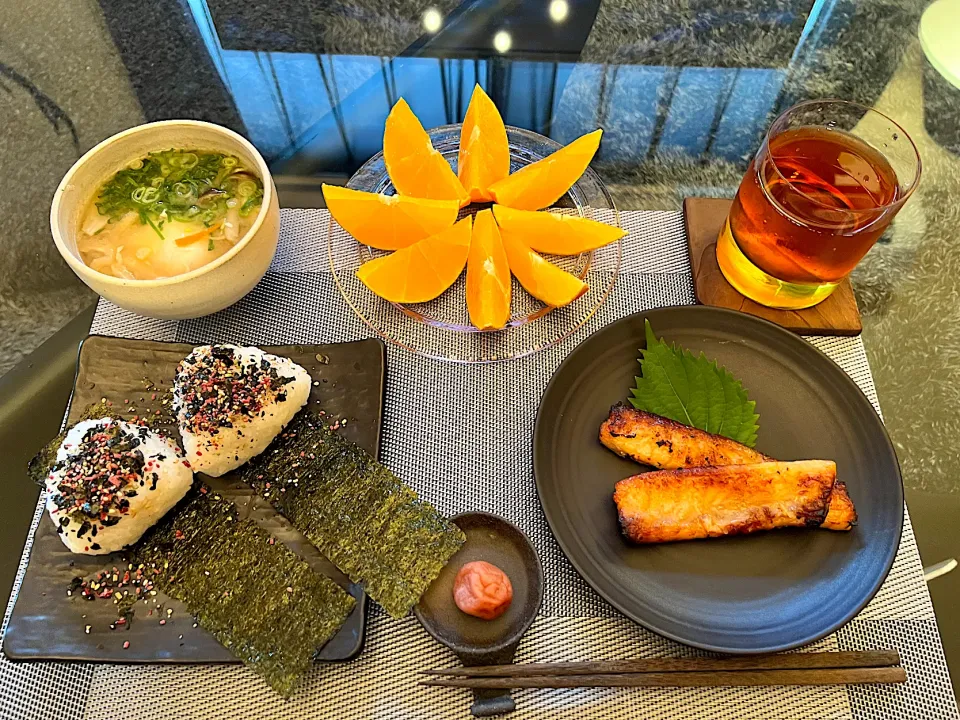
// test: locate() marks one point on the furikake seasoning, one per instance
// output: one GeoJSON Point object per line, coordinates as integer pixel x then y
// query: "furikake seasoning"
{"type": "Point", "coordinates": [261, 601]}
{"type": "Point", "coordinates": [100, 475]}
{"type": "Point", "coordinates": [258, 598]}
{"type": "Point", "coordinates": [215, 387]}
{"type": "Point", "coordinates": [358, 513]}
{"type": "Point", "coordinates": [39, 467]}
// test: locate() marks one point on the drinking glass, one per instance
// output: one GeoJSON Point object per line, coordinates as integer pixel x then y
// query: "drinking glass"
{"type": "Point", "coordinates": [826, 182]}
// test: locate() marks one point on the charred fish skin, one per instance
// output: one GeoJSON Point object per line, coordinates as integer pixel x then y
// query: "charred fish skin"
{"type": "Point", "coordinates": [842, 515]}
{"type": "Point", "coordinates": [663, 443]}
{"type": "Point", "coordinates": [698, 503]}
{"type": "Point", "coordinates": [666, 444]}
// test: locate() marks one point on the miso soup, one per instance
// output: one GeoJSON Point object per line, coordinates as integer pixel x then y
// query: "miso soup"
{"type": "Point", "coordinates": [169, 213]}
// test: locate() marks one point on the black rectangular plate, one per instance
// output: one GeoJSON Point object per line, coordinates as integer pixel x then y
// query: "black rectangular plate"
{"type": "Point", "coordinates": [48, 625]}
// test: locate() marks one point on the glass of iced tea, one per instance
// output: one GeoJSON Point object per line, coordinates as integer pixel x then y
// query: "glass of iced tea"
{"type": "Point", "coordinates": [826, 182]}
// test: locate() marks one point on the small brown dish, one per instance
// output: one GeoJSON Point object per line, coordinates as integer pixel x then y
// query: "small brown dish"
{"type": "Point", "coordinates": [486, 642]}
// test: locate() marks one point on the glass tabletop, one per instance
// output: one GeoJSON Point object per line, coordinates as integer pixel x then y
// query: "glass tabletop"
{"type": "Point", "coordinates": [684, 90]}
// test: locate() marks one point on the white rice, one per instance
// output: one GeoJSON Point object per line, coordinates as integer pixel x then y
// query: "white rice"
{"type": "Point", "coordinates": [226, 448]}
{"type": "Point", "coordinates": [153, 499]}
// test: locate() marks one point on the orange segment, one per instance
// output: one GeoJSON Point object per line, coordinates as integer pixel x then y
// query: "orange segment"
{"type": "Point", "coordinates": [388, 222]}
{"type": "Point", "coordinates": [555, 234]}
{"type": "Point", "coordinates": [542, 183]}
{"type": "Point", "coordinates": [415, 168]}
{"type": "Point", "coordinates": [542, 279]}
{"type": "Point", "coordinates": [484, 154]}
{"type": "Point", "coordinates": [488, 275]}
{"type": "Point", "coordinates": [422, 271]}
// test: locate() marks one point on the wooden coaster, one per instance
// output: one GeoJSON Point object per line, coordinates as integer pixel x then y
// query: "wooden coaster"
{"type": "Point", "coordinates": [704, 217]}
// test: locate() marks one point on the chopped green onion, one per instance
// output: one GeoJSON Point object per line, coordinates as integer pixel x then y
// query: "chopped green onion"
{"type": "Point", "coordinates": [249, 205]}
{"type": "Point", "coordinates": [169, 184]}
{"type": "Point", "coordinates": [144, 218]}
{"type": "Point", "coordinates": [188, 160]}
{"type": "Point", "coordinates": [145, 195]}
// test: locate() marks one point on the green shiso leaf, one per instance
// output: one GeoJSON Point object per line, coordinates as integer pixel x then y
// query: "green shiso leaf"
{"type": "Point", "coordinates": [261, 601]}
{"type": "Point", "coordinates": [693, 390]}
{"type": "Point", "coordinates": [358, 513]}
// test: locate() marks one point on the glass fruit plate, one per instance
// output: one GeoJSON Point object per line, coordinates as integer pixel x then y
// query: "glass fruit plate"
{"type": "Point", "coordinates": [441, 328]}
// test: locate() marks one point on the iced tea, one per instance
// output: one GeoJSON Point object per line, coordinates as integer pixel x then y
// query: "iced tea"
{"type": "Point", "coordinates": [812, 203]}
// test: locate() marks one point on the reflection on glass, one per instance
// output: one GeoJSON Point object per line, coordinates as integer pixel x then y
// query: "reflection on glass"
{"type": "Point", "coordinates": [324, 112]}
{"type": "Point", "coordinates": [559, 9]}
{"type": "Point", "coordinates": [502, 41]}
{"type": "Point", "coordinates": [432, 20]}
{"type": "Point", "coordinates": [825, 184]}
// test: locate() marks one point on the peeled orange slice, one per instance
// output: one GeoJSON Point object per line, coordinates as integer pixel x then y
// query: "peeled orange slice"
{"type": "Point", "coordinates": [422, 271]}
{"type": "Point", "coordinates": [542, 183]}
{"type": "Point", "coordinates": [488, 275]}
{"type": "Point", "coordinates": [555, 234]}
{"type": "Point", "coordinates": [484, 154]}
{"type": "Point", "coordinates": [541, 278]}
{"type": "Point", "coordinates": [413, 165]}
{"type": "Point", "coordinates": [388, 222]}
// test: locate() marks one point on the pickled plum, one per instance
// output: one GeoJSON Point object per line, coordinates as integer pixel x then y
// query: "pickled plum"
{"type": "Point", "coordinates": [482, 590]}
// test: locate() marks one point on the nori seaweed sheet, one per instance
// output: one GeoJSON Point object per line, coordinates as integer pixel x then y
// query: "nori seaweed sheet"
{"type": "Point", "coordinates": [244, 601]}
{"type": "Point", "coordinates": [261, 601]}
{"type": "Point", "coordinates": [39, 466]}
{"type": "Point", "coordinates": [358, 513]}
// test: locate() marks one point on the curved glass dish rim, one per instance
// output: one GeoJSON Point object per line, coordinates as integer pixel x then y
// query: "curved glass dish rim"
{"type": "Point", "coordinates": [514, 323]}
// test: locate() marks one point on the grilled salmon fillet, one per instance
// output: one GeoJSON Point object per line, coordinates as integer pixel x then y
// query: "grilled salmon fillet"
{"type": "Point", "coordinates": [841, 514]}
{"type": "Point", "coordinates": [665, 444]}
{"type": "Point", "coordinates": [694, 503]}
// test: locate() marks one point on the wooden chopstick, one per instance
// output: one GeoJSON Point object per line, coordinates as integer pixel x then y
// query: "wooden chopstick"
{"type": "Point", "coordinates": [724, 678]}
{"type": "Point", "coordinates": [792, 661]}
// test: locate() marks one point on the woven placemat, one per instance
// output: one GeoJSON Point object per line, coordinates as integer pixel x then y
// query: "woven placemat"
{"type": "Point", "coordinates": [462, 437]}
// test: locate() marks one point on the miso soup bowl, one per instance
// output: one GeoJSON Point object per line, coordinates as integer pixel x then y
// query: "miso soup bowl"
{"type": "Point", "coordinates": [205, 290]}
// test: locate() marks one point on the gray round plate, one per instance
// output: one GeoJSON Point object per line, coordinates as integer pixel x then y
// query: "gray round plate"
{"type": "Point", "coordinates": [750, 594]}
{"type": "Point", "coordinates": [501, 543]}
